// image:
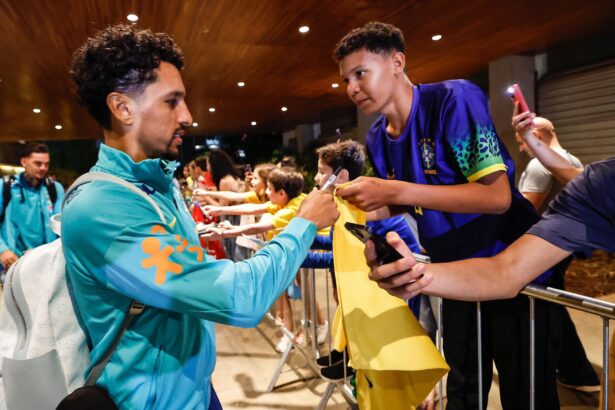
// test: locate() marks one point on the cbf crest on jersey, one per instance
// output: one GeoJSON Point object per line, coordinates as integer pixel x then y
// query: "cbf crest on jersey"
{"type": "Point", "coordinates": [428, 155]}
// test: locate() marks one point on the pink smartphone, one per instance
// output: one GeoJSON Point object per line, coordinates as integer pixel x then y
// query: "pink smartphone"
{"type": "Point", "coordinates": [514, 91]}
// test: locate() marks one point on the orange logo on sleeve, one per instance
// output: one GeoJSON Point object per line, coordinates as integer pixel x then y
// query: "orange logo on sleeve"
{"type": "Point", "coordinates": [160, 259]}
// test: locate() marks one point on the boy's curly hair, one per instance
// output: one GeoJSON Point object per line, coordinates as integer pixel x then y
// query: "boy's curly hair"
{"type": "Point", "coordinates": [119, 58]}
{"type": "Point", "coordinates": [349, 154]}
{"type": "Point", "coordinates": [376, 37]}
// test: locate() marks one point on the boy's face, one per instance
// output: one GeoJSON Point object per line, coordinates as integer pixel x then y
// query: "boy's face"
{"type": "Point", "coordinates": [276, 197]}
{"type": "Point", "coordinates": [324, 172]}
{"type": "Point", "coordinates": [371, 79]}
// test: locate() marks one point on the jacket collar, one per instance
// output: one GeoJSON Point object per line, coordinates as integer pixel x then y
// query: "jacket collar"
{"type": "Point", "coordinates": [156, 173]}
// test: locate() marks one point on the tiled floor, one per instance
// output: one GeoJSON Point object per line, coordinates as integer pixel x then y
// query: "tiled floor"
{"type": "Point", "coordinates": [247, 362]}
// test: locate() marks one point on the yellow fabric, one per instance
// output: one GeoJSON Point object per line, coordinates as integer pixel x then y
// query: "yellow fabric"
{"type": "Point", "coordinates": [251, 198]}
{"type": "Point", "coordinates": [272, 208]}
{"type": "Point", "coordinates": [282, 217]}
{"type": "Point", "coordinates": [489, 170]}
{"type": "Point", "coordinates": [385, 341]}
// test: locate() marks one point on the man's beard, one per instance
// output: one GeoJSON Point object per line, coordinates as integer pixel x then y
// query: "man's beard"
{"type": "Point", "coordinates": [171, 156]}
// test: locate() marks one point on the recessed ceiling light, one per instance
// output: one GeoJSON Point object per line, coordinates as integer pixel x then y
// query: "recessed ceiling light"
{"type": "Point", "coordinates": [335, 85]}
{"type": "Point", "coordinates": [36, 110]}
{"type": "Point", "coordinates": [304, 29]}
{"type": "Point", "coordinates": [284, 109]}
{"type": "Point", "coordinates": [253, 123]}
{"type": "Point", "coordinates": [195, 124]}
{"type": "Point", "coordinates": [436, 37]}
{"type": "Point", "coordinates": [132, 17]}
{"type": "Point", "coordinates": [212, 109]}
{"type": "Point", "coordinates": [241, 84]}
{"type": "Point", "coordinates": [58, 127]}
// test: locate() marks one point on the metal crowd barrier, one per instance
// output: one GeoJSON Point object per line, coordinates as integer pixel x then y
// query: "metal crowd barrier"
{"type": "Point", "coordinates": [311, 350]}
{"type": "Point", "coordinates": [586, 304]}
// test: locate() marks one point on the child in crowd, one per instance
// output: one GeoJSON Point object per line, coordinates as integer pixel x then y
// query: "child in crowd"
{"type": "Point", "coordinates": [256, 195]}
{"type": "Point", "coordinates": [257, 181]}
{"type": "Point", "coordinates": [284, 190]}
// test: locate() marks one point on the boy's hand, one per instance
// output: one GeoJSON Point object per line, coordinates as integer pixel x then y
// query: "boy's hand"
{"type": "Point", "coordinates": [200, 195]}
{"type": "Point", "coordinates": [367, 193]}
{"type": "Point", "coordinates": [403, 278]}
{"type": "Point", "coordinates": [212, 210]}
{"type": "Point", "coordinates": [319, 207]}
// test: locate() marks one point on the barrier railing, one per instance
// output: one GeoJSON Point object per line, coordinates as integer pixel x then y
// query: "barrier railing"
{"type": "Point", "coordinates": [586, 304]}
{"type": "Point", "coordinates": [311, 351]}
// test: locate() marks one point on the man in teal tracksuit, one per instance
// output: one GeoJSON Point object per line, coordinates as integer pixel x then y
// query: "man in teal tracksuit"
{"type": "Point", "coordinates": [26, 209]}
{"type": "Point", "coordinates": [117, 249]}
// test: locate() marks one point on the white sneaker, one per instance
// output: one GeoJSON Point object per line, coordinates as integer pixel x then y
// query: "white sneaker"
{"type": "Point", "coordinates": [283, 344]}
{"type": "Point", "coordinates": [321, 332]}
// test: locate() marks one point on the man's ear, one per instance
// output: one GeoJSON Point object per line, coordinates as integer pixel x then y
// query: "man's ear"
{"type": "Point", "coordinates": [120, 106]}
{"type": "Point", "coordinates": [399, 62]}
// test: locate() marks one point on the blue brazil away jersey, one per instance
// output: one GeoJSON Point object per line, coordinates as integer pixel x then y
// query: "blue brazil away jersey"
{"type": "Point", "coordinates": [450, 139]}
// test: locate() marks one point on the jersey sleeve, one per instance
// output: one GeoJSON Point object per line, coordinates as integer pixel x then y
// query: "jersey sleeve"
{"type": "Point", "coordinates": [271, 208]}
{"type": "Point", "coordinates": [469, 131]}
{"type": "Point", "coordinates": [283, 217]}
{"type": "Point", "coordinates": [582, 217]}
{"type": "Point", "coordinates": [251, 198]}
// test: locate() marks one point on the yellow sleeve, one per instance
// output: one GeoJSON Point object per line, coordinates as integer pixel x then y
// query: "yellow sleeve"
{"type": "Point", "coordinates": [281, 218]}
{"type": "Point", "coordinates": [271, 208]}
{"type": "Point", "coordinates": [251, 198]}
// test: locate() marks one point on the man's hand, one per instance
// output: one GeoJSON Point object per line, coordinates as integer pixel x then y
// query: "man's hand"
{"type": "Point", "coordinates": [368, 193]}
{"type": "Point", "coordinates": [319, 208]}
{"type": "Point", "coordinates": [8, 257]}
{"type": "Point", "coordinates": [403, 278]}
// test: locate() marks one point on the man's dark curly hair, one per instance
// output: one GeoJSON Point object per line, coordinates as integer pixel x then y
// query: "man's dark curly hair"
{"type": "Point", "coordinates": [376, 37]}
{"type": "Point", "coordinates": [119, 58]}
{"type": "Point", "coordinates": [349, 154]}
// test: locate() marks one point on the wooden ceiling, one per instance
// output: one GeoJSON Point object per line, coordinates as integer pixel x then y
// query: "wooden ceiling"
{"type": "Point", "coordinates": [257, 41]}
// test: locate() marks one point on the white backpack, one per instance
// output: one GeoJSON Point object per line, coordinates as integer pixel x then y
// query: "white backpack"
{"type": "Point", "coordinates": [43, 350]}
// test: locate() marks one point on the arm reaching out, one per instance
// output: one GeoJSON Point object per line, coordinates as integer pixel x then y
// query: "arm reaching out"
{"type": "Point", "coordinates": [201, 195]}
{"type": "Point", "coordinates": [498, 277]}
{"type": "Point", "coordinates": [490, 194]}
{"type": "Point", "coordinates": [241, 209]}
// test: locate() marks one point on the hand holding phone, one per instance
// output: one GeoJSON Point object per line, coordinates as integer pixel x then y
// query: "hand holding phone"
{"type": "Point", "coordinates": [514, 91]}
{"type": "Point", "coordinates": [385, 252]}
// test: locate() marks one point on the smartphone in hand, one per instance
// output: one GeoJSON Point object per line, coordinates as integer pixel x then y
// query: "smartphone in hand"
{"type": "Point", "coordinates": [514, 91]}
{"type": "Point", "coordinates": [385, 252]}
